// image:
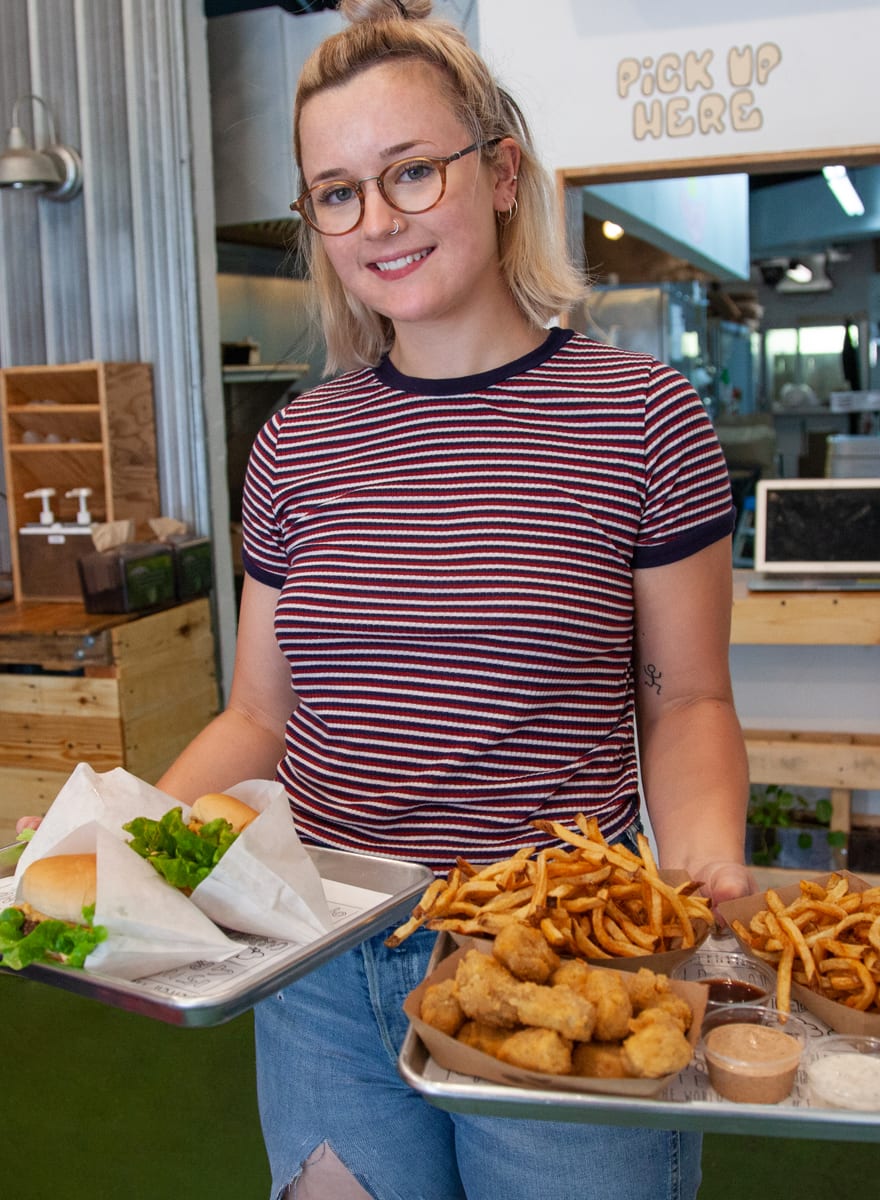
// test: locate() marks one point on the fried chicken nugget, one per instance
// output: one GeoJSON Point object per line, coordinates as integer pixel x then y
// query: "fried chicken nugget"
{"type": "Point", "coordinates": [599, 1059]}
{"type": "Point", "coordinates": [525, 952]}
{"type": "Point", "coordinates": [603, 988]}
{"type": "Point", "coordinates": [657, 1048]}
{"type": "Point", "coordinates": [537, 1050]}
{"type": "Point", "coordinates": [440, 1007]}
{"type": "Point", "coordinates": [673, 1006]}
{"type": "Point", "coordinates": [644, 987]}
{"type": "Point", "coordinates": [573, 972]}
{"type": "Point", "coordinates": [480, 1036]}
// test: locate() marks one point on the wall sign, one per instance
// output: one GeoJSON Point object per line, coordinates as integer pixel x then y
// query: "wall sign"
{"type": "Point", "coordinates": [678, 95]}
{"type": "Point", "coordinates": [637, 82]}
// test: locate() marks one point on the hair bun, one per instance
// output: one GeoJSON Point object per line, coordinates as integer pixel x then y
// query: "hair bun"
{"type": "Point", "coordinates": [357, 11]}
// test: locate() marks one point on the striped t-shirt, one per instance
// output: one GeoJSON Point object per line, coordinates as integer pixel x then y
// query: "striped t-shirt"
{"type": "Point", "coordinates": [454, 564]}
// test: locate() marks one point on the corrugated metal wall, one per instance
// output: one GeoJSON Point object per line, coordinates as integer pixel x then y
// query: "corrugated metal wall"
{"type": "Point", "coordinates": [125, 271]}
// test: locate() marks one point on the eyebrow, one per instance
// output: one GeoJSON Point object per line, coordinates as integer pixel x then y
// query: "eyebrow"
{"type": "Point", "coordinates": [389, 153]}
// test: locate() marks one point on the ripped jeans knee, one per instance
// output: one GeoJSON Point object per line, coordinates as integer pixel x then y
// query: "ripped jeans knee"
{"type": "Point", "coordinates": [324, 1176]}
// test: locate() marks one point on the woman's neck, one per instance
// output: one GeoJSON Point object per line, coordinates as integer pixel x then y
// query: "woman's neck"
{"type": "Point", "coordinates": [437, 352]}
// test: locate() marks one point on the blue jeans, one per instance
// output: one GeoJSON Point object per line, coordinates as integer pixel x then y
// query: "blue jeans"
{"type": "Point", "coordinates": [327, 1051]}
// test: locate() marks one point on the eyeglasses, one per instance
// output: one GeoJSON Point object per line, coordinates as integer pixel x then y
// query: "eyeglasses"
{"type": "Point", "coordinates": [412, 185]}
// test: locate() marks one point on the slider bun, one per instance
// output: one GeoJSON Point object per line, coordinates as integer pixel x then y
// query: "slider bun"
{"type": "Point", "coordinates": [217, 804]}
{"type": "Point", "coordinates": [61, 886]}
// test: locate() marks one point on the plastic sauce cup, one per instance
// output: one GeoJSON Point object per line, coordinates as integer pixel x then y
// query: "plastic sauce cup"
{"type": "Point", "coordinates": [752, 1053]}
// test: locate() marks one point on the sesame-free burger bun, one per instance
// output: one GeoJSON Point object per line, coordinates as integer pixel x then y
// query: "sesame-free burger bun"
{"type": "Point", "coordinates": [61, 886]}
{"type": "Point", "coordinates": [217, 804]}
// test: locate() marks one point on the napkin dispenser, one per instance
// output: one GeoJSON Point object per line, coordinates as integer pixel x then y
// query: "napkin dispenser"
{"type": "Point", "coordinates": [193, 566]}
{"type": "Point", "coordinates": [128, 578]}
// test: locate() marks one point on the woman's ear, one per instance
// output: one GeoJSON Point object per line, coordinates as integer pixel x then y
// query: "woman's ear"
{"type": "Point", "coordinates": [506, 167]}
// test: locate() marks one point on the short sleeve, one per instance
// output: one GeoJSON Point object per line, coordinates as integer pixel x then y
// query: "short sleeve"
{"type": "Point", "coordinates": [688, 503]}
{"type": "Point", "coordinates": [263, 550]}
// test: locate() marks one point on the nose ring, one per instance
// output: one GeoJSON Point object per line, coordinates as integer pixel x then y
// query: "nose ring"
{"type": "Point", "coordinates": [395, 231]}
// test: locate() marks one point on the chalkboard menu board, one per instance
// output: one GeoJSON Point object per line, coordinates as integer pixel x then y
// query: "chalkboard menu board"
{"type": "Point", "coordinates": [818, 525]}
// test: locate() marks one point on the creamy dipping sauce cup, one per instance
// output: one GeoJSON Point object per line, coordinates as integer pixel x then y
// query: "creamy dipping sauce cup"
{"type": "Point", "coordinates": [843, 1071]}
{"type": "Point", "coordinates": [752, 1053]}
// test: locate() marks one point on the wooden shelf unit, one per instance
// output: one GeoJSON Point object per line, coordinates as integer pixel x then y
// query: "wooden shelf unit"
{"type": "Point", "coordinates": [87, 424]}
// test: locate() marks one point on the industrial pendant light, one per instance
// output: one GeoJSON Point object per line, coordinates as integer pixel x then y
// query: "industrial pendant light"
{"type": "Point", "coordinates": [53, 170]}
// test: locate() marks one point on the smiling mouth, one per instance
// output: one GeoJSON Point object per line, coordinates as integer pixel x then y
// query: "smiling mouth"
{"type": "Point", "coordinates": [405, 260]}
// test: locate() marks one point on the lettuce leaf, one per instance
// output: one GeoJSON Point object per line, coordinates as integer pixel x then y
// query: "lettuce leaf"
{"type": "Point", "coordinates": [51, 941]}
{"type": "Point", "coordinates": [181, 856]}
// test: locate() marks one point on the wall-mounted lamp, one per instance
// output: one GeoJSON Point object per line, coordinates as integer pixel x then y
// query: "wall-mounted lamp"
{"type": "Point", "coordinates": [612, 231]}
{"type": "Point", "coordinates": [54, 170]}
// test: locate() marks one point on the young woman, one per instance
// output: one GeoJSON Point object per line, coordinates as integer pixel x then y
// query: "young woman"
{"type": "Point", "coordinates": [473, 558]}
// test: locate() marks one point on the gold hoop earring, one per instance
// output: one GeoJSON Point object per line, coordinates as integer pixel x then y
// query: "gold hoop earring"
{"type": "Point", "coordinates": [505, 218]}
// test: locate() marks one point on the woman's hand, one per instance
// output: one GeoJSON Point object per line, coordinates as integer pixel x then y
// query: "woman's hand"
{"type": "Point", "coordinates": [723, 880]}
{"type": "Point", "coordinates": [27, 823]}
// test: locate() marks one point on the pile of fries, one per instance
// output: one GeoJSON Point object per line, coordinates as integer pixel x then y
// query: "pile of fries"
{"type": "Point", "coordinates": [827, 939]}
{"type": "Point", "coordinates": [588, 898]}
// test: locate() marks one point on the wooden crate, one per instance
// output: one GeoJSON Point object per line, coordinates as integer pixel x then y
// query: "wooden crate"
{"type": "Point", "coordinates": [147, 689]}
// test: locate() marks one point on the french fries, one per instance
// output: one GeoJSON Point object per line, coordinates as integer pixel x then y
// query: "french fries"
{"type": "Point", "coordinates": [827, 939]}
{"type": "Point", "coordinates": [589, 899]}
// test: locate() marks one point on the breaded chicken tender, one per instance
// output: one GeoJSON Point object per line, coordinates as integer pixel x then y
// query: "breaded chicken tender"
{"type": "Point", "coordinates": [480, 1036]}
{"type": "Point", "coordinates": [485, 990]}
{"type": "Point", "coordinates": [488, 992]}
{"type": "Point", "coordinates": [440, 1007]}
{"type": "Point", "coordinates": [537, 1050]}
{"type": "Point", "coordinates": [602, 1060]}
{"type": "Point", "coordinates": [559, 1008]}
{"type": "Point", "coordinates": [657, 1048]}
{"type": "Point", "coordinates": [525, 952]}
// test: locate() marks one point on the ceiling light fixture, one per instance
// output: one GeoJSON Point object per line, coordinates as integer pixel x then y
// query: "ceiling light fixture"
{"type": "Point", "coordinates": [612, 231]}
{"type": "Point", "coordinates": [845, 193]}
{"type": "Point", "coordinates": [53, 170]}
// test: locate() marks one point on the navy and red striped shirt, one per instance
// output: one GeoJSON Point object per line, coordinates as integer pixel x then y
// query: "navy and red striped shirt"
{"type": "Point", "coordinates": [454, 564]}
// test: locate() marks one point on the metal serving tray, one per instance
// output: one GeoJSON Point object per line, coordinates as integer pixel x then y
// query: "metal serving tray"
{"type": "Point", "coordinates": [366, 894]}
{"type": "Point", "coordinates": [688, 1103]}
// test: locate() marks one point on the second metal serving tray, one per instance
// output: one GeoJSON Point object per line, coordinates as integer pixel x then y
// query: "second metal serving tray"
{"type": "Point", "coordinates": [688, 1103]}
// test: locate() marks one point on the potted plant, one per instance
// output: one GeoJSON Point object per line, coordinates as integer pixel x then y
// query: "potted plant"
{"type": "Point", "coordinates": [784, 829]}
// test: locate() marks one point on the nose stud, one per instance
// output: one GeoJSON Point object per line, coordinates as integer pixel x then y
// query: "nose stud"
{"type": "Point", "coordinates": [395, 231]}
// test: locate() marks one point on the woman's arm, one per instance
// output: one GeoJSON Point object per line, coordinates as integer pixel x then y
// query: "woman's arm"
{"type": "Point", "coordinates": [246, 740]}
{"type": "Point", "coordinates": [692, 754]}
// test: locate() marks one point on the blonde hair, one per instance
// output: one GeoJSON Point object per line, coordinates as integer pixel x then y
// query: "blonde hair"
{"type": "Point", "coordinates": [531, 246]}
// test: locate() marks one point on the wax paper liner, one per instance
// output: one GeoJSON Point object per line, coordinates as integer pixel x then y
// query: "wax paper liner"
{"type": "Point", "coordinates": [837, 1016]}
{"type": "Point", "coordinates": [151, 927]}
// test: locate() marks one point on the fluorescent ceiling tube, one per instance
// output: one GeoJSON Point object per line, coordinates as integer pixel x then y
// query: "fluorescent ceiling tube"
{"type": "Point", "coordinates": [842, 187]}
